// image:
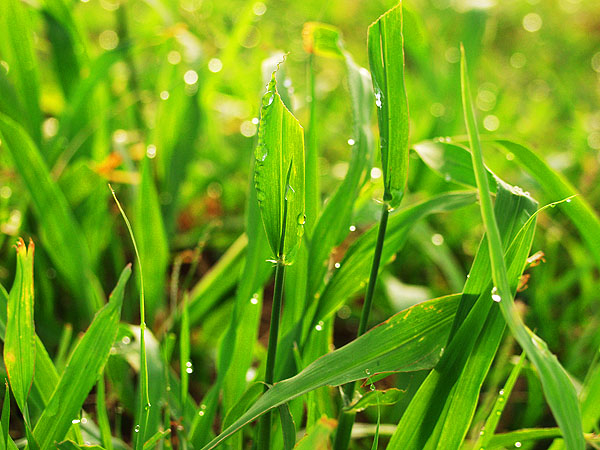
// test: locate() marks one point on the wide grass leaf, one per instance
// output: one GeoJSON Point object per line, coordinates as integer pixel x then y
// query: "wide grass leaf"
{"type": "Point", "coordinates": [386, 59]}
{"type": "Point", "coordinates": [19, 341]}
{"type": "Point", "coordinates": [82, 371]}
{"type": "Point", "coordinates": [279, 174]}
{"type": "Point", "coordinates": [558, 388]}
{"type": "Point", "coordinates": [447, 398]}
{"type": "Point", "coordinates": [408, 341]}
{"type": "Point", "coordinates": [65, 242]}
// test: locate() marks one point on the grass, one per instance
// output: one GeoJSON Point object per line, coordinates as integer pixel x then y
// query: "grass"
{"type": "Point", "coordinates": [353, 284]}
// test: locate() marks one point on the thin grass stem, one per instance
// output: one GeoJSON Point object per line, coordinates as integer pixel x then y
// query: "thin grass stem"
{"type": "Point", "coordinates": [346, 419]}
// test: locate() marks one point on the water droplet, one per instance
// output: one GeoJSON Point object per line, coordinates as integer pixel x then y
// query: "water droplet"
{"type": "Point", "coordinates": [203, 406]}
{"type": "Point", "coordinates": [137, 429]}
{"type": "Point", "coordinates": [200, 413]}
{"type": "Point", "coordinates": [367, 371]}
{"type": "Point", "coordinates": [351, 141]}
{"type": "Point", "coordinates": [188, 364]}
{"type": "Point", "coordinates": [83, 420]}
{"type": "Point", "coordinates": [319, 326]}
{"type": "Point", "coordinates": [447, 177]}
{"type": "Point", "coordinates": [378, 99]}
{"type": "Point", "coordinates": [254, 299]}
{"type": "Point", "coordinates": [437, 239]}
{"type": "Point", "coordinates": [518, 444]}
{"type": "Point", "coordinates": [352, 228]}
{"type": "Point", "coordinates": [126, 340]}
{"type": "Point", "coordinates": [495, 296]}
{"type": "Point", "coordinates": [501, 392]}
{"type": "Point", "coordinates": [372, 387]}
{"type": "Point", "coordinates": [164, 95]}
{"type": "Point", "coordinates": [75, 421]}
{"type": "Point", "coordinates": [569, 200]}
{"type": "Point", "coordinates": [337, 265]}
{"type": "Point", "coordinates": [301, 219]}
{"type": "Point", "coordinates": [190, 77]}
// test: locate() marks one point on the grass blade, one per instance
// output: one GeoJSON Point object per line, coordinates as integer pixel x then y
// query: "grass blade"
{"type": "Point", "coordinates": [410, 340]}
{"type": "Point", "coordinates": [144, 405]}
{"type": "Point", "coordinates": [19, 341]}
{"type": "Point", "coordinates": [386, 59]}
{"type": "Point", "coordinates": [489, 428]}
{"type": "Point", "coordinates": [280, 151]}
{"type": "Point", "coordinates": [558, 389]}
{"type": "Point", "coordinates": [82, 370]}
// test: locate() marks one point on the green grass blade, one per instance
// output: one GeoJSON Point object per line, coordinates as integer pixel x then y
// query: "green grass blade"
{"type": "Point", "coordinates": [445, 402]}
{"type": "Point", "coordinates": [5, 418]}
{"type": "Point", "coordinates": [62, 235]}
{"type": "Point", "coordinates": [102, 414]}
{"type": "Point", "coordinates": [558, 389]}
{"type": "Point", "coordinates": [280, 150]}
{"type": "Point", "coordinates": [82, 371]}
{"type": "Point", "coordinates": [185, 364]}
{"type": "Point", "coordinates": [144, 401]}
{"type": "Point", "coordinates": [16, 45]}
{"type": "Point", "coordinates": [151, 443]}
{"type": "Point", "coordinates": [152, 242]}
{"type": "Point", "coordinates": [288, 427]}
{"type": "Point", "coordinates": [386, 59]}
{"type": "Point", "coordinates": [489, 428]}
{"type": "Point", "coordinates": [19, 341]}
{"type": "Point", "coordinates": [410, 340]}
{"type": "Point", "coordinates": [508, 440]}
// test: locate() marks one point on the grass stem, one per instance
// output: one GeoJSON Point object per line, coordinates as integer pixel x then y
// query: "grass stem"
{"type": "Point", "coordinates": [346, 420]}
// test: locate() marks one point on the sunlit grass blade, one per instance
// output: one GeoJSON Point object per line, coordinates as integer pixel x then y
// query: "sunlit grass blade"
{"type": "Point", "coordinates": [558, 389]}
{"type": "Point", "coordinates": [61, 234]}
{"type": "Point", "coordinates": [410, 340]}
{"type": "Point", "coordinates": [144, 401]}
{"type": "Point", "coordinates": [386, 59]}
{"type": "Point", "coordinates": [19, 341]}
{"type": "Point", "coordinates": [280, 157]}
{"type": "Point", "coordinates": [82, 371]}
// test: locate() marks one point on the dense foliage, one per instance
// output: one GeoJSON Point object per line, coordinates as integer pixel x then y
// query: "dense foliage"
{"type": "Point", "coordinates": [213, 204]}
